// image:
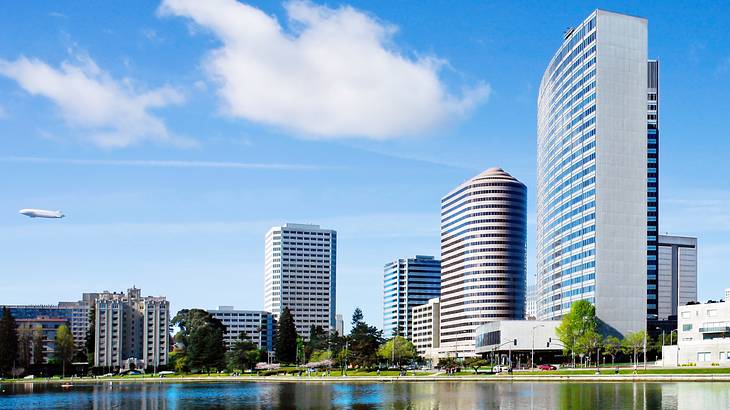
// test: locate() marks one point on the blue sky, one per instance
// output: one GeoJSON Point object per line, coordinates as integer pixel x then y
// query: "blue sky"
{"type": "Point", "coordinates": [175, 135]}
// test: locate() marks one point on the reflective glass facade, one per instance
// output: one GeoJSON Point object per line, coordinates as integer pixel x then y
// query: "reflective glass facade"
{"type": "Point", "coordinates": [566, 194]}
{"type": "Point", "coordinates": [597, 182]}
{"type": "Point", "coordinates": [408, 283]}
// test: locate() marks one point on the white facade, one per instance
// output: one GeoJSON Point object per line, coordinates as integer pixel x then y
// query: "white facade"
{"type": "Point", "coordinates": [258, 325]}
{"type": "Point", "coordinates": [531, 302]}
{"type": "Point", "coordinates": [300, 273]}
{"type": "Point", "coordinates": [131, 327]}
{"type": "Point", "coordinates": [703, 336]}
{"type": "Point", "coordinates": [677, 274]}
{"type": "Point", "coordinates": [426, 329]}
{"type": "Point", "coordinates": [483, 256]}
{"type": "Point", "coordinates": [529, 335]}
{"type": "Point", "coordinates": [592, 173]}
{"type": "Point", "coordinates": [339, 325]}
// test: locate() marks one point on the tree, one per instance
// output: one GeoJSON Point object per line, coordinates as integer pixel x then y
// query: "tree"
{"type": "Point", "coordinates": [611, 346]}
{"type": "Point", "coordinates": [244, 354]}
{"type": "Point", "coordinates": [286, 338]}
{"type": "Point", "coordinates": [200, 341]}
{"type": "Point", "coordinates": [364, 342]}
{"type": "Point", "coordinates": [206, 349]}
{"type": "Point", "coordinates": [25, 347]}
{"type": "Point", "coordinates": [633, 343]}
{"type": "Point", "coordinates": [448, 363]}
{"type": "Point", "coordinates": [590, 342]}
{"type": "Point", "coordinates": [38, 349]}
{"type": "Point", "coordinates": [579, 321]}
{"type": "Point", "coordinates": [357, 317]}
{"type": "Point", "coordinates": [64, 347]}
{"type": "Point", "coordinates": [475, 363]}
{"type": "Point", "coordinates": [399, 350]}
{"type": "Point", "coordinates": [318, 340]}
{"type": "Point", "coordinates": [90, 343]}
{"type": "Point", "coordinates": [8, 342]}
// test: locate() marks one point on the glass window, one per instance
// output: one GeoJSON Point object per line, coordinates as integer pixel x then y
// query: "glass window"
{"type": "Point", "coordinates": [703, 356]}
{"type": "Point", "coordinates": [686, 328]}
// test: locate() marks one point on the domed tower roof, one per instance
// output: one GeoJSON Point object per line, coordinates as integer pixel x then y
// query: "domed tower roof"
{"type": "Point", "coordinates": [496, 173]}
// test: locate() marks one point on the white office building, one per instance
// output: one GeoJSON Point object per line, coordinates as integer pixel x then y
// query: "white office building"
{"type": "Point", "coordinates": [703, 336]}
{"type": "Point", "coordinates": [300, 273]}
{"type": "Point", "coordinates": [677, 274]}
{"type": "Point", "coordinates": [426, 329]}
{"type": "Point", "coordinates": [592, 182]}
{"type": "Point", "coordinates": [483, 257]}
{"type": "Point", "coordinates": [531, 302]}
{"type": "Point", "coordinates": [131, 328]}
{"type": "Point", "coordinates": [339, 325]}
{"type": "Point", "coordinates": [258, 325]}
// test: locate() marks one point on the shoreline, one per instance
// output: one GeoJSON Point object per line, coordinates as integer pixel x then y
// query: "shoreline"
{"type": "Point", "coordinates": [639, 378]}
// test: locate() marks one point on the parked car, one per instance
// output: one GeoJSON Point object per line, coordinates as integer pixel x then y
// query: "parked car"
{"type": "Point", "coordinates": [500, 369]}
{"type": "Point", "coordinates": [547, 367]}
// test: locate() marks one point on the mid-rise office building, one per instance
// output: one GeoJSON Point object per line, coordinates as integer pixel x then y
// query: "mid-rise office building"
{"type": "Point", "coordinates": [677, 274]}
{"type": "Point", "coordinates": [703, 336]}
{"type": "Point", "coordinates": [483, 257]}
{"type": "Point", "coordinates": [592, 203]}
{"type": "Point", "coordinates": [427, 329]}
{"type": "Point", "coordinates": [300, 273]}
{"type": "Point", "coordinates": [131, 328]}
{"type": "Point", "coordinates": [258, 325]}
{"type": "Point", "coordinates": [76, 314]}
{"type": "Point", "coordinates": [48, 326]}
{"type": "Point", "coordinates": [408, 282]}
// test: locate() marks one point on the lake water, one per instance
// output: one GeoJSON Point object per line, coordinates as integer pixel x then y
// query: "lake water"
{"type": "Point", "coordinates": [416, 395]}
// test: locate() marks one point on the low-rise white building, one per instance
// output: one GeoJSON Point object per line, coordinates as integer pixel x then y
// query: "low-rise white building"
{"type": "Point", "coordinates": [426, 325]}
{"type": "Point", "coordinates": [518, 340]}
{"type": "Point", "coordinates": [703, 336]}
{"type": "Point", "coordinates": [257, 324]}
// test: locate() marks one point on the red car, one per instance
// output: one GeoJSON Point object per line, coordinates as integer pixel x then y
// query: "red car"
{"type": "Point", "coordinates": [547, 367]}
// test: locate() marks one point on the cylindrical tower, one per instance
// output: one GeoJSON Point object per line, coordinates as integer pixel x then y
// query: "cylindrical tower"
{"type": "Point", "coordinates": [483, 251]}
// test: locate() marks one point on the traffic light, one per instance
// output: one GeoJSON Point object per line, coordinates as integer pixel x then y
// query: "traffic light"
{"type": "Point", "coordinates": [515, 342]}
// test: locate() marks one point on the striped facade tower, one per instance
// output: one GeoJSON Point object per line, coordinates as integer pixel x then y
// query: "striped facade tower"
{"type": "Point", "coordinates": [483, 257]}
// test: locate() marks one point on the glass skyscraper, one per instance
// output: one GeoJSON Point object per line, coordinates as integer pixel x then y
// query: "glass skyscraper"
{"type": "Point", "coordinates": [407, 283]}
{"type": "Point", "coordinates": [483, 254]}
{"type": "Point", "coordinates": [593, 179]}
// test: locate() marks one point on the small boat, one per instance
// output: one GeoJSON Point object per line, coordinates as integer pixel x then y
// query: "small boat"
{"type": "Point", "coordinates": [67, 385]}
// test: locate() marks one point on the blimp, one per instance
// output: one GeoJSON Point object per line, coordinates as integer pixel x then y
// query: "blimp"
{"type": "Point", "coordinates": [41, 213]}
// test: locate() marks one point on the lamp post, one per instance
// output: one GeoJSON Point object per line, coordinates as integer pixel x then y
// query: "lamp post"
{"type": "Point", "coordinates": [532, 353]}
{"type": "Point", "coordinates": [510, 343]}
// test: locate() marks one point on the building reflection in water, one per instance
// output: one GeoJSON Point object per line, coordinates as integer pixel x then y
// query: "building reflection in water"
{"type": "Point", "coordinates": [364, 395]}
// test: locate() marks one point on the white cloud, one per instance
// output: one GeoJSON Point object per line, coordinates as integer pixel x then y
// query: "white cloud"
{"type": "Point", "coordinates": [112, 113]}
{"type": "Point", "coordinates": [332, 73]}
{"type": "Point", "coordinates": [3, 112]}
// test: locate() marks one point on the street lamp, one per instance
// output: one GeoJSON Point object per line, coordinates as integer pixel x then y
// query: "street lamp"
{"type": "Point", "coordinates": [510, 343]}
{"type": "Point", "coordinates": [532, 354]}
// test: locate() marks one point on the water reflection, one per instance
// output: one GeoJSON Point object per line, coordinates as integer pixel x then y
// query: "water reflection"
{"type": "Point", "coordinates": [419, 395]}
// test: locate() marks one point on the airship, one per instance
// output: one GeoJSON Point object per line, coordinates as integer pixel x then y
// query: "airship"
{"type": "Point", "coordinates": [41, 213]}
